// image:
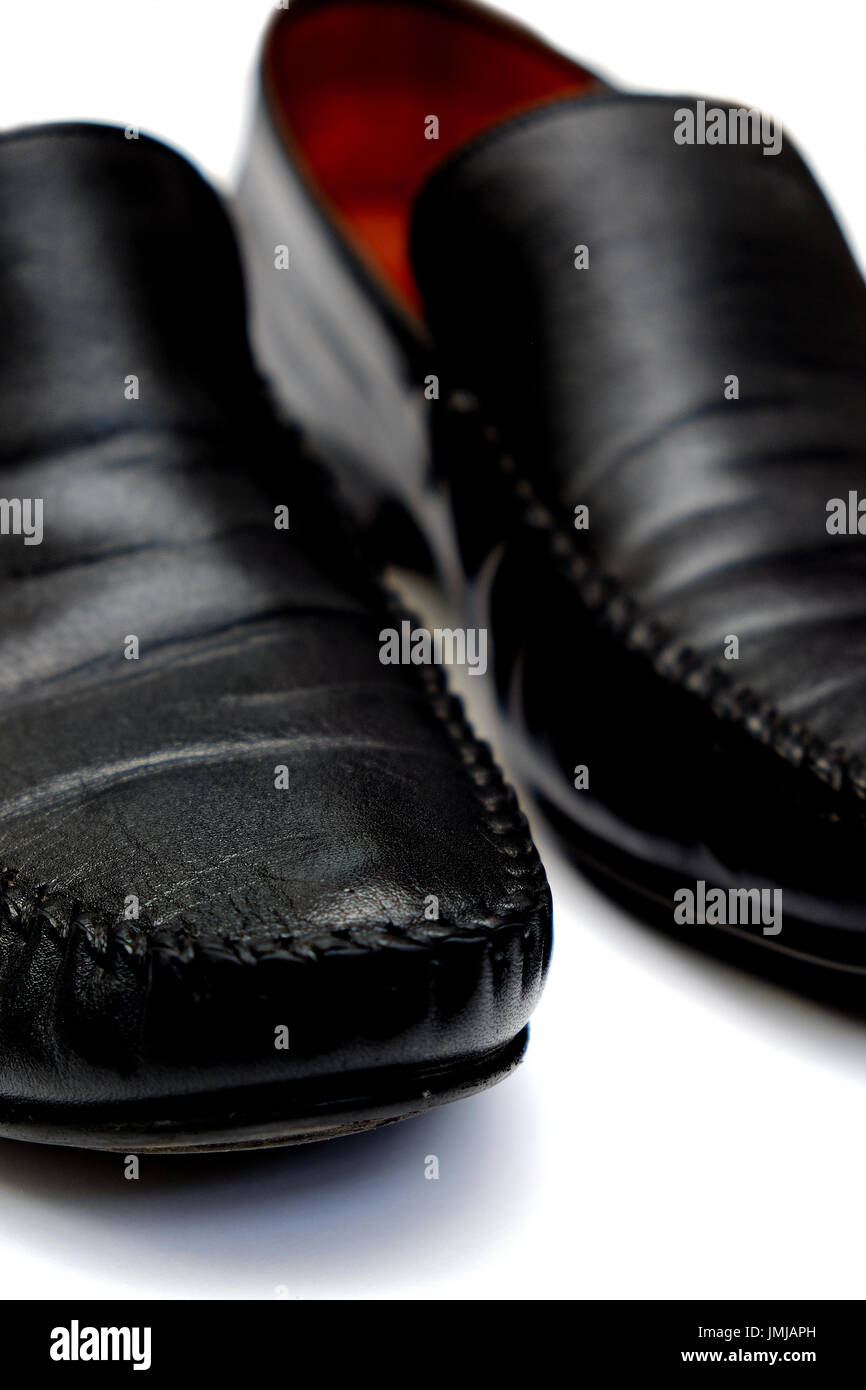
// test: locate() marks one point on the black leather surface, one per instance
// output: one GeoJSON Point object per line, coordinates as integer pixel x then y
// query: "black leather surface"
{"type": "Point", "coordinates": [327, 342]}
{"type": "Point", "coordinates": [258, 648]}
{"type": "Point", "coordinates": [605, 387]}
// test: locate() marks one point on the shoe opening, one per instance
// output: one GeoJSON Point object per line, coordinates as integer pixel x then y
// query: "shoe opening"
{"type": "Point", "coordinates": [372, 95]}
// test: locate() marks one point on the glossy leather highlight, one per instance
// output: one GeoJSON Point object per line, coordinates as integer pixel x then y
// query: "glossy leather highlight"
{"type": "Point", "coordinates": [165, 905]}
{"type": "Point", "coordinates": [606, 389]}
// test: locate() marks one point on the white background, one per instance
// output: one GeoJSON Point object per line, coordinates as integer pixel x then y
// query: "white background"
{"type": "Point", "coordinates": [679, 1129]}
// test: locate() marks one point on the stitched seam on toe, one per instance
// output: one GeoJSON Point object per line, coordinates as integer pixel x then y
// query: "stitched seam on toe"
{"type": "Point", "coordinates": [25, 910]}
{"type": "Point", "coordinates": [672, 658]}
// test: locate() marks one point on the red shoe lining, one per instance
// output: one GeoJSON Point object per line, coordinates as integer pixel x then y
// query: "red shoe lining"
{"type": "Point", "coordinates": [352, 83]}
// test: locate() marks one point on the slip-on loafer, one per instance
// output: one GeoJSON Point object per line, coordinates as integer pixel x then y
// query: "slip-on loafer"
{"type": "Point", "coordinates": [257, 886]}
{"type": "Point", "coordinates": [639, 443]}
{"type": "Point", "coordinates": [359, 101]}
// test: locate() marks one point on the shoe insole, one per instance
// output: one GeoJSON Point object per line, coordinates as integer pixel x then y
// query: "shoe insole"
{"type": "Point", "coordinates": [356, 86]}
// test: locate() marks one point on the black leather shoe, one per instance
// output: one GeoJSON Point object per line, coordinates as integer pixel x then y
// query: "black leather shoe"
{"type": "Point", "coordinates": [650, 367]}
{"type": "Point", "coordinates": [360, 100]}
{"type": "Point", "coordinates": [258, 886]}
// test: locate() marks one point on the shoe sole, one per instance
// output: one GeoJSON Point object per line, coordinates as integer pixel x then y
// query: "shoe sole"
{"type": "Point", "coordinates": [267, 1116]}
{"type": "Point", "coordinates": [648, 893]}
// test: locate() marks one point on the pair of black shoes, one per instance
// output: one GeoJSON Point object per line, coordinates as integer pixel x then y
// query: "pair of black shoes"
{"type": "Point", "coordinates": [261, 884]}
